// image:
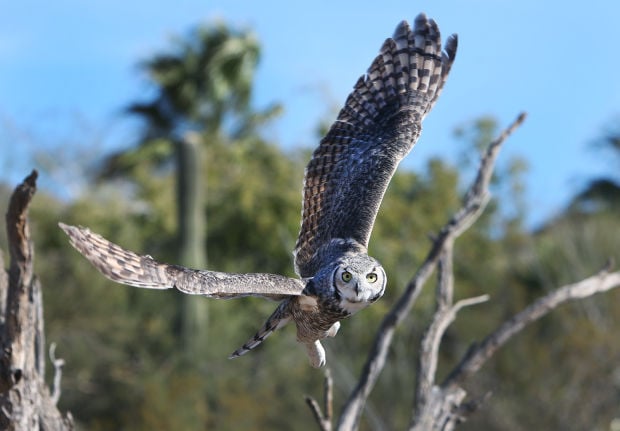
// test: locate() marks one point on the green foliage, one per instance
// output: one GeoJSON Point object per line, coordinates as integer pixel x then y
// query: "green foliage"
{"type": "Point", "coordinates": [128, 368]}
{"type": "Point", "coordinates": [254, 187]}
{"type": "Point", "coordinates": [125, 366]}
{"type": "Point", "coordinates": [559, 373]}
{"type": "Point", "coordinates": [602, 193]}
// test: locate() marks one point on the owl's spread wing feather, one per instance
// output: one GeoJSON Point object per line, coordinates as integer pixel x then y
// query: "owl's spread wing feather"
{"type": "Point", "coordinates": [350, 170]}
{"type": "Point", "coordinates": [126, 267]}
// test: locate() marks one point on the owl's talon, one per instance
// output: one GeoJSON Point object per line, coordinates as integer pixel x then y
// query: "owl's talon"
{"type": "Point", "coordinates": [316, 354]}
{"type": "Point", "coordinates": [333, 330]}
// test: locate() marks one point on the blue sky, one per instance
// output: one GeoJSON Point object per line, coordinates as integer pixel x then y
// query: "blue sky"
{"type": "Point", "coordinates": [68, 67]}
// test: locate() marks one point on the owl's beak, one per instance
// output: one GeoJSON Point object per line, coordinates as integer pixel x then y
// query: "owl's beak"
{"type": "Point", "coordinates": [357, 288]}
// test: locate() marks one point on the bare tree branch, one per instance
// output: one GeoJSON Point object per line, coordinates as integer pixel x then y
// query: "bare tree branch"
{"type": "Point", "coordinates": [445, 405]}
{"type": "Point", "coordinates": [424, 411]}
{"type": "Point", "coordinates": [4, 288]}
{"type": "Point", "coordinates": [58, 364]}
{"type": "Point", "coordinates": [445, 277]}
{"type": "Point", "coordinates": [474, 202]}
{"type": "Point", "coordinates": [478, 354]}
{"type": "Point", "coordinates": [328, 396]}
{"type": "Point", "coordinates": [428, 399]}
{"type": "Point", "coordinates": [429, 347]}
{"type": "Point", "coordinates": [324, 421]}
{"type": "Point", "coordinates": [316, 412]}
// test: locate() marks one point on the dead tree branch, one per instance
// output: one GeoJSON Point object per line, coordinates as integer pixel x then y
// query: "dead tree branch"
{"type": "Point", "coordinates": [443, 317]}
{"type": "Point", "coordinates": [441, 408]}
{"type": "Point", "coordinates": [58, 364]}
{"type": "Point", "coordinates": [479, 354]}
{"type": "Point", "coordinates": [25, 402]}
{"type": "Point", "coordinates": [474, 202]}
{"type": "Point", "coordinates": [425, 412]}
{"type": "Point", "coordinates": [323, 420]}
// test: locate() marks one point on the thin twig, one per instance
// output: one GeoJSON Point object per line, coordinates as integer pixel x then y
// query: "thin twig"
{"type": "Point", "coordinates": [58, 364]}
{"type": "Point", "coordinates": [474, 202]}
{"type": "Point", "coordinates": [316, 412]}
{"type": "Point", "coordinates": [4, 288]}
{"type": "Point", "coordinates": [328, 396]}
{"type": "Point", "coordinates": [324, 421]}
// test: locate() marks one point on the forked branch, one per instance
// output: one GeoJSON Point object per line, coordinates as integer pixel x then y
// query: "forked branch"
{"type": "Point", "coordinates": [444, 315]}
{"type": "Point", "coordinates": [474, 203]}
{"type": "Point", "coordinates": [479, 354]}
{"type": "Point", "coordinates": [324, 420]}
{"type": "Point", "coordinates": [441, 408]}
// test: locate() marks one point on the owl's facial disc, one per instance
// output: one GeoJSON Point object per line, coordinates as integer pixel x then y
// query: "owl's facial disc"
{"type": "Point", "coordinates": [359, 286]}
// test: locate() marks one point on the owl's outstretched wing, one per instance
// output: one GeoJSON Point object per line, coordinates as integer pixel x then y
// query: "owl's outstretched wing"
{"type": "Point", "coordinates": [126, 267]}
{"type": "Point", "coordinates": [350, 170]}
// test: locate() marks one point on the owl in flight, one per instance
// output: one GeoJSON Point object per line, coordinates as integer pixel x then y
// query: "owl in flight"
{"type": "Point", "coordinates": [344, 184]}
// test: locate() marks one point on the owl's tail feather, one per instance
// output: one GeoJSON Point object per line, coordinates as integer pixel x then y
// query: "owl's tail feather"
{"type": "Point", "coordinates": [407, 75]}
{"type": "Point", "coordinates": [280, 317]}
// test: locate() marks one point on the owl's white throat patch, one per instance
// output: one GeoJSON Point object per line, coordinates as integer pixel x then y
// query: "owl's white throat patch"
{"type": "Point", "coordinates": [353, 306]}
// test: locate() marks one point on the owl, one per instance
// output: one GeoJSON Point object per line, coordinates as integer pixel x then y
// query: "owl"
{"type": "Point", "coordinates": [344, 185]}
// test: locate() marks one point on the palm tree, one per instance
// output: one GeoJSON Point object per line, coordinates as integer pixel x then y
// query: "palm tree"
{"type": "Point", "coordinates": [203, 88]}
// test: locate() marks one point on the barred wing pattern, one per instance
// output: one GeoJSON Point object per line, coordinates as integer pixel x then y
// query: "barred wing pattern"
{"type": "Point", "coordinates": [126, 267]}
{"type": "Point", "coordinates": [350, 170]}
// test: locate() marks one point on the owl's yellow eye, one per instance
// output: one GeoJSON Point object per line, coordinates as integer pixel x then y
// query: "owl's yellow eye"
{"type": "Point", "coordinates": [371, 277]}
{"type": "Point", "coordinates": [346, 276]}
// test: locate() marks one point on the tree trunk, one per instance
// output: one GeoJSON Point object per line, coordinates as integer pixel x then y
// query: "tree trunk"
{"type": "Point", "coordinates": [191, 218]}
{"type": "Point", "coordinates": [25, 400]}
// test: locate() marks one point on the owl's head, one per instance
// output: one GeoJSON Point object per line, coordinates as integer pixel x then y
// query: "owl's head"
{"type": "Point", "coordinates": [359, 280]}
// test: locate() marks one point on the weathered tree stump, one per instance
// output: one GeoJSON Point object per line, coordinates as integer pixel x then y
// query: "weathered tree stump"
{"type": "Point", "coordinates": [25, 401]}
